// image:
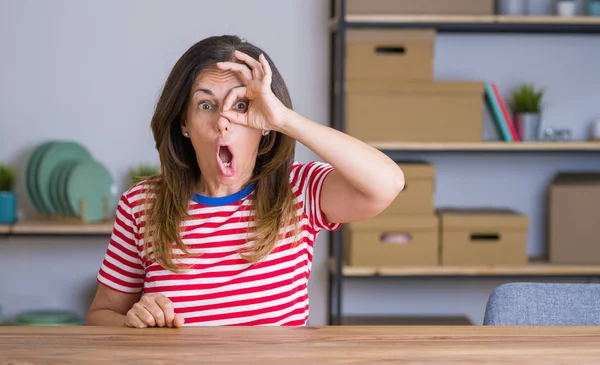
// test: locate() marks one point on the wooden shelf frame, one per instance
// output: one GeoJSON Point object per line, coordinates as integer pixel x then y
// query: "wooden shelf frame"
{"type": "Point", "coordinates": [56, 228]}
{"type": "Point", "coordinates": [533, 269]}
{"type": "Point", "coordinates": [491, 146]}
{"type": "Point", "coordinates": [4, 229]}
{"type": "Point", "coordinates": [475, 24]}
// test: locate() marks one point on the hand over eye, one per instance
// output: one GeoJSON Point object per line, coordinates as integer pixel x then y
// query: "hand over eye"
{"type": "Point", "coordinates": [263, 109]}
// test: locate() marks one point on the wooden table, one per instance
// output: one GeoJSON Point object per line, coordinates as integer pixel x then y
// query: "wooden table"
{"type": "Point", "coordinates": [300, 345]}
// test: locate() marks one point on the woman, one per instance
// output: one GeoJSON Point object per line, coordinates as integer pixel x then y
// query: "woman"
{"type": "Point", "coordinates": [224, 235]}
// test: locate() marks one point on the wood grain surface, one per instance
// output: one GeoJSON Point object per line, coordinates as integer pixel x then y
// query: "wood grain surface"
{"type": "Point", "coordinates": [60, 227]}
{"type": "Point", "coordinates": [531, 269]}
{"type": "Point", "coordinates": [300, 345]}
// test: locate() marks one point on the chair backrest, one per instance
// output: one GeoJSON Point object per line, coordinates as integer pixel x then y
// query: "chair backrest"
{"type": "Point", "coordinates": [543, 304]}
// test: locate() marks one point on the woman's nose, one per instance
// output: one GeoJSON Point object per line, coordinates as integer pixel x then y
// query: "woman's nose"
{"type": "Point", "coordinates": [223, 124]}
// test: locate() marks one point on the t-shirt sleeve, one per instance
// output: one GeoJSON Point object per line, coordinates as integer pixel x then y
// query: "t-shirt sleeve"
{"type": "Point", "coordinates": [307, 182]}
{"type": "Point", "coordinates": [121, 268]}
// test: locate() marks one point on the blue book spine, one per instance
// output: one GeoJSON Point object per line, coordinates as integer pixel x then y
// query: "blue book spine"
{"type": "Point", "coordinates": [497, 113]}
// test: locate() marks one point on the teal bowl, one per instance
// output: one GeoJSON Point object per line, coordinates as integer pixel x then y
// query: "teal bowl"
{"type": "Point", "coordinates": [48, 318]}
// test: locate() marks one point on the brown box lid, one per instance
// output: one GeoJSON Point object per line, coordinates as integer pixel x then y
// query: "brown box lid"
{"type": "Point", "coordinates": [478, 218]}
{"type": "Point", "coordinates": [414, 87]}
{"type": "Point", "coordinates": [577, 179]}
{"type": "Point", "coordinates": [423, 7]}
{"type": "Point", "coordinates": [396, 223]}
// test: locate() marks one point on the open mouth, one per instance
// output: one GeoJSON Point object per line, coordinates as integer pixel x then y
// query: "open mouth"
{"type": "Point", "coordinates": [226, 160]}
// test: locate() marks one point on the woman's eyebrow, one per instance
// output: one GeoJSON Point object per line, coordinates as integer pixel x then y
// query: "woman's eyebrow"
{"type": "Point", "coordinates": [206, 91]}
{"type": "Point", "coordinates": [209, 92]}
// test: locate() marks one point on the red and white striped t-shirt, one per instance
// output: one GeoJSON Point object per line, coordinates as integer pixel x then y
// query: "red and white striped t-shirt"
{"type": "Point", "coordinates": [222, 288]}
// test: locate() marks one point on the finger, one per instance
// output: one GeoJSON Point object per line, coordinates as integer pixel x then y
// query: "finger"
{"type": "Point", "coordinates": [168, 309]}
{"type": "Point", "coordinates": [178, 321]}
{"type": "Point", "coordinates": [243, 70]}
{"type": "Point", "coordinates": [235, 94]}
{"type": "Point", "coordinates": [155, 310]}
{"type": "Point", "coordinates": [132, 320]}
{"type": "Point", "coordinates": [235, 117]}
{"type": "Point", "coordinates": [143, 314]}
{"type": "Point", "coordinates": [256, 67]}
{"type": "Point", "coordinates": [267, 68]}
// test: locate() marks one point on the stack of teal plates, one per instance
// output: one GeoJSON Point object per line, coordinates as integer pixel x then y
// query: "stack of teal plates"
{"type": "Point", "coordinates": [48, 318]}
{"type": "Point", "coordinates": [63, 179]}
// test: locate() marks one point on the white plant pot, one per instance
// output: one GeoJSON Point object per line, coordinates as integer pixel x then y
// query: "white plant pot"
{"type": "Point", "coordinates": [566, 8]}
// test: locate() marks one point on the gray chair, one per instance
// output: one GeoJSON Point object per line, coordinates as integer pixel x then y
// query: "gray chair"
{"type": "Point", "coordinates": [542, 304]}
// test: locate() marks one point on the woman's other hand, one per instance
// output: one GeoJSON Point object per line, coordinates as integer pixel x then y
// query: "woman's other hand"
{"type": "Point", "coordinates": [264, 111]}
{"type": "Point", "coordinates": [153, 310]}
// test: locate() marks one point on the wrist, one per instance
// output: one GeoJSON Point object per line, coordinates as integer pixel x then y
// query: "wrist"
{"type": "Point", "coordinates": [287, 121]}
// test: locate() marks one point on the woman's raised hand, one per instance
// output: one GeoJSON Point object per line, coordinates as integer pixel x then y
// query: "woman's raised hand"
{"type": "Point", "coordinates": [264, 110]}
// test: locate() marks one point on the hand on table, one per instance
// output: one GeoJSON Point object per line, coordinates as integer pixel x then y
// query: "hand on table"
{"type": "Point", "coordinates": [153, 310]}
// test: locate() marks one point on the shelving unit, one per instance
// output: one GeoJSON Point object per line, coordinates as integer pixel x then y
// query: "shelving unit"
{"type": "Point", "coordinates": [56, 228]}
{"type": "Point", "coordinates": [338, 24]}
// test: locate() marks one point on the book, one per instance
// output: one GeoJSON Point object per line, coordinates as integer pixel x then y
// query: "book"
{"type": "Point", "coordinates": [507, 118]}
{"type": "Point", "coordinates": [497, 113]}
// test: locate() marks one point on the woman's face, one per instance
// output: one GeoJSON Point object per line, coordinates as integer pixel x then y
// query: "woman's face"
{"type": "Point", "coordinates": [226, 152]}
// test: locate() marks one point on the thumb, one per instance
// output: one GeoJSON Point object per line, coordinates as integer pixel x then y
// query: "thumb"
{"type": "Point", "coordinates": [235, 117]}
{"type": "Point", "coordinates": [178, 321]}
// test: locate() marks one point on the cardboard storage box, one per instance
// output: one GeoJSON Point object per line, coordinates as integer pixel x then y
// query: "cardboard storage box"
{"type": "Point", "coordinates": [421, 7]}
{"type": "Point", "coordinates": [574, 222]}
{"type": "Point", "coordinates": [394, 54]}
{"type": "Point", "coordinates": [415, 112]}
{"type": "Point", "coordinates": [393, 240]}
{"type": "Point", "coordinates": [483, 237]}
{"type": "Point", "coordinates": [418, 196]}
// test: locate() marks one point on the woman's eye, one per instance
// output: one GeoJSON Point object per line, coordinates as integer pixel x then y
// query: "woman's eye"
{"type": "Point", "coordinates": [241, 105]}
{"type": "Point", "coordinates": [205, 106]}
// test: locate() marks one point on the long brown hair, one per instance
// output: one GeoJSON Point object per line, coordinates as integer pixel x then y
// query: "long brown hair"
{"type": "Point", "coordinates": [273, 201]}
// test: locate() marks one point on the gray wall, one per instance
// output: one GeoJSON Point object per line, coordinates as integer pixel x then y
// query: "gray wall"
{"type": "Point", "coordinates": [91, 71]}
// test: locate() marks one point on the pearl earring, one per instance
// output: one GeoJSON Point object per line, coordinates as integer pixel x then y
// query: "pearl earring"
{"type": "Point", "coordinates": [265, 132]}
{"type": "Point", "coordinates": [186, 134]}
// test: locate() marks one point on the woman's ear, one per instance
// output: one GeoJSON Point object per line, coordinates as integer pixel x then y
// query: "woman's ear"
{"type": "Point", "coordinates": [266, 143]}
{"type": "Point", "coordinates": [184, 129]}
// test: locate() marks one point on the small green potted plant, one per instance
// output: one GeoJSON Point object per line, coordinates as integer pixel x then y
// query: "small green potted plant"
{"type": "Point", "coordinates": [142, 172]}
{"type": "Point", "coordinates": [8, 198]}
{"type": "Point", "coordinates": [526, 105]}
